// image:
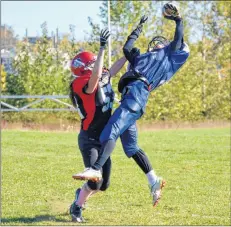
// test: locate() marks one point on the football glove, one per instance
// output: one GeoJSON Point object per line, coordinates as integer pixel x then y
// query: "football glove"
{"type": "Point", "coordinates": [135, 33]}
{"type": "Point", "coordinates": [143, 20]}
{"type": "Point", "coordinates": [103, 38]}
{"type": "Point", "coordinates": [171, 12]}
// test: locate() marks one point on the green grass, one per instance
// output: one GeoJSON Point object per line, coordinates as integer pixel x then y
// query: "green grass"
{"type": "Point", "coordinates": [37, 187]}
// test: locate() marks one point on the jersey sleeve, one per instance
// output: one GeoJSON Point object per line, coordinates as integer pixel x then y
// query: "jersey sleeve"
{"type": "Point", "coordinates": [179, 57]}
{"type": "Point", "coordinates": [88, 100]}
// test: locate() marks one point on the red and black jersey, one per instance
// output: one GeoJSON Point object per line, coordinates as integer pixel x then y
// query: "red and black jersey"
{"type": "Point", "coordinates": [95, 108]}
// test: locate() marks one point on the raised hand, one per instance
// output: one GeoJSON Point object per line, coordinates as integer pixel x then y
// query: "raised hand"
{"type": "Point", "coordinates": [136, 32]}
{"type": "Point", "coordinates": [104, 37]}
{"type": "Point", "coordinates": [143, 20]}
{"type": "Point", "coordinates": [140, 25]}
{"type": "Point", "coordinates": [171, 12]}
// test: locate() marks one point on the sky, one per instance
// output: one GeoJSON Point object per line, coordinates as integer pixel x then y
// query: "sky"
{"type": "Point", "coordinates": [22, 15]}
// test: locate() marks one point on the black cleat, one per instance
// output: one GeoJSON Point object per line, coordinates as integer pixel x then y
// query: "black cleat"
{"type": "Point", "coordinates": [76, 213]}
{"type": "Point", "coordinates": [77, 193]}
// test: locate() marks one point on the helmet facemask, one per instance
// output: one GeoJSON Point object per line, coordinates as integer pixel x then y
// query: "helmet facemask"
{"type": "Point", "coordinates": [156, 43]}
{"type": "Point", "coordinates": [89, 65]}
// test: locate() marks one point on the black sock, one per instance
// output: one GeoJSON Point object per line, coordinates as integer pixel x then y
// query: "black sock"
{"type": "Point", "coordinates": [105, 152]}
{"type": "Point", "coordinates": [142, 161]}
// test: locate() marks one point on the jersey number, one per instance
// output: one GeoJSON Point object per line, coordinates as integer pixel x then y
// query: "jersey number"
{"type": "Point", "coordinates": [108, 102]}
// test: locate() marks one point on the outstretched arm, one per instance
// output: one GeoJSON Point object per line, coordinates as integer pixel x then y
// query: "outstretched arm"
{"type": "Point", "coordinates": [129, 51]}
{"type": "Point", "coordinates": [98, 66]}
{"type": "Point", "coordinates": [115, 68]}
{"type": "Point", "coordinates": [171, 12]}
{"type": "Point", "coordinates": [178, 37]}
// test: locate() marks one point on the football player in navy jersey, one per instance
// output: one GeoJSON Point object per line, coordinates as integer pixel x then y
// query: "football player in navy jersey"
{"type": "Point", "coordinates": [91, 93]}
{"type": "Point", "coordinates": [145, 73]}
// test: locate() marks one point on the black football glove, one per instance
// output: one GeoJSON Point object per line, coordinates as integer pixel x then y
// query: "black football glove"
{"type": "Point", "coordinates": [171, 12]}
{"type": "Point", "coordinates": [103, 38]}
{"type": "Point", "coordinates": [143, 20]}
{"type": "Point", "coordinates": [135, 34]}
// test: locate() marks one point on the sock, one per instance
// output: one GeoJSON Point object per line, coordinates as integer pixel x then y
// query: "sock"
{"type": "Point", "coordinates": [84, 194]}
{"type": "Point", "coordinates": [105, 152]}
{"type": "Point", "coordinates": [151, 176]}
{"type": "Point", "coordinates": [93, 192]}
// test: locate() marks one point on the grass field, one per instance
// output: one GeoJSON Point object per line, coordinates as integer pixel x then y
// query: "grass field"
{"type": "Point", "coordinates": [37, 187]}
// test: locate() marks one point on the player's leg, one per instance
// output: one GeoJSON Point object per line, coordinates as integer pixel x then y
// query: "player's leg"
{"type": "Point", "coordinates": [98, 186]}
{"type": "Point", "coordinates": [121, 119]}
{"type": "Point", "coordinates": [131, 148]}
{"type": "Point", "coordinates": [124, 116]}
{"type": "Point", "coordinates": [106, 175]}
{"type": "Point", "coordinates": [106, 172]}
{"type": "Point", "coordinates": [89, 150]}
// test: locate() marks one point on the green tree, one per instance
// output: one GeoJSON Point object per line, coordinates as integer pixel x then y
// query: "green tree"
{"type": "Point", "coordinates": [3, 79]}
{"type": "Point", "coordinates": [213, 20]}
{"type": "Point", "coordinates": [39, 71]}
{"type": "Point", "coordinates": [193, 93]}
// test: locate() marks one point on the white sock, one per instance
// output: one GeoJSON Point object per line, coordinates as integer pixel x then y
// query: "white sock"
{"type": "Point", "coordinates": [92, 193]}
{"type": "Point", "coordinates": [84, 194]}
{"type": "Point", "coordinates": [151, 177]}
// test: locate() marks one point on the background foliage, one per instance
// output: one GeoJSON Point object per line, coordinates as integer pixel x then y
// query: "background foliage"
{"type": "Point", "coordinates": [199, 91]}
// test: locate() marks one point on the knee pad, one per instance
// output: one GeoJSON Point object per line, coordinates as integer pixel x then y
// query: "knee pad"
{"type": "Point", "coordinates": [129, 151]}
{"type": "Point", "coordinates": [104, 186]}
{"type": "Point", "coordinates": [132, 105]}
{"type": "Point", "coordinates": [94, 185]}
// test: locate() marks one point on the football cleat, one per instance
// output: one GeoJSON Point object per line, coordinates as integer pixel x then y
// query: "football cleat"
{"type": "Point", "coordinates": [76, 213]}
{"type": "Point", "coordinates": [156, 190]}
{"type": "Point", "coordinates": [89, 174]}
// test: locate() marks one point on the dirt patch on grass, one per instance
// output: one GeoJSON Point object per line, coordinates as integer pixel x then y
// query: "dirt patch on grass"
{"type": "Point", "coordinates": [183, 125]}
{"type": "Point", "coordinates": [143, 126]}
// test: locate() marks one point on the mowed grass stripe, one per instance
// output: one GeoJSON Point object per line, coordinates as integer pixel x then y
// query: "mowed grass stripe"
{"type": "Point", "coordinates": [37, 187]}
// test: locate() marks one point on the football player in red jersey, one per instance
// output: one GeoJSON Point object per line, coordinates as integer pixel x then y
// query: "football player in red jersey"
{"type": "Point", "coordinates": [92, 95]}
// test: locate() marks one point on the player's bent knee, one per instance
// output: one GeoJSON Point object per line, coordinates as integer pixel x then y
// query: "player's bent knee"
{"type": "Point", "coordinates": [94, 185]}
{"type": "Point", "coordinates": [130, 149]}
{"type": "Point", "coordinates": [132, 105]}
{"type": "Point", "coordinates": [105, 186]}
{"type": "Point", "coordinates": [130, 152]}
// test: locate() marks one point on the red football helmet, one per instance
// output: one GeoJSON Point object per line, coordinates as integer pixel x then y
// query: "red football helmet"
{"type": "Point", "coordinates": [82, 64]}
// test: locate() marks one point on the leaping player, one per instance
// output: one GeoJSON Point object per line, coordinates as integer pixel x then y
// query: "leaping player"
{"type": "Point", "coordinates": [146, 73]}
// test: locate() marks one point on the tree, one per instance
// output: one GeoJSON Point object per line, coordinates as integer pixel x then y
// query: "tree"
{"type": "Point", "coordinates": [214, 48]}
{"type": "Point", "coordinates": [3, 79]}
{"type": "Point", "coordinates": [39, 71]}
{"type": "Point", "coordinates": [191, 94]}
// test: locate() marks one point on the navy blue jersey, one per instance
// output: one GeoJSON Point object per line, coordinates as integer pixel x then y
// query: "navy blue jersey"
{"type": "Point", "coordinates": [159, 66]}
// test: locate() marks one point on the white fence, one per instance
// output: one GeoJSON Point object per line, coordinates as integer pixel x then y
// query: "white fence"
{"type": "Point", "coordinates": [6, 107]}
